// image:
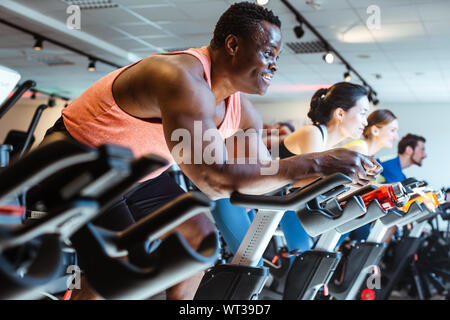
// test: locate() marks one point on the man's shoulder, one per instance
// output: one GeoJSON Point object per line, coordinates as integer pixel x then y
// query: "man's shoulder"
{"type": "Point", "coordinates": [392, 171]}
{"type": "Point", "coordinates": [388, 158]}
{"type": "Point", "coordinates": [172, 67]}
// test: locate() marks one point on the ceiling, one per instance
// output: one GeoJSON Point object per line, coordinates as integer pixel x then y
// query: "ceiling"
{"type": "Point", "coordinates": [406, 60]}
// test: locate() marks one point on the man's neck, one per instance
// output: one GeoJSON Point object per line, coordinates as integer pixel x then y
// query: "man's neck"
{"type": "Point", "coordinates": [405, 161]}
{"type": "Point", "coordinates": [221, 84]}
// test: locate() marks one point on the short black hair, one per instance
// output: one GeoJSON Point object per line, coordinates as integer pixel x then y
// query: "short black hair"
{"type": "Point", "coordinates": [409, 140]}
{"type": "Point", "coordinates": [241, 19]}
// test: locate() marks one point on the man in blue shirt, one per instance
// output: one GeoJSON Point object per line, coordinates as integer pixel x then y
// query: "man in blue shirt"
{"type": "Point", "coordinates": [411, 150]}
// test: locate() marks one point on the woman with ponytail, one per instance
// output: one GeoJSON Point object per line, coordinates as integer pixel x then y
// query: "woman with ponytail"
{"type": "Point", "coordinates": [337, 113]}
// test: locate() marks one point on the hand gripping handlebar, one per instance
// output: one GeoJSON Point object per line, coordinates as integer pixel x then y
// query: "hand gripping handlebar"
{"type": "Point", "coordinates": [295, 200]}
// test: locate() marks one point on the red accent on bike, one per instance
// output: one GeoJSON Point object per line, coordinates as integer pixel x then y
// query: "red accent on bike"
{"type": "Point", "coordinates": [325, 290]}
{"type": "Point", "coordinates": [12, 210]}
{"type": "Point", "coordinates": [67, 295]}
{"type": "Point", "coordinates": [385, 195]}
{"type": "Point", "coordinates": [368, 294]}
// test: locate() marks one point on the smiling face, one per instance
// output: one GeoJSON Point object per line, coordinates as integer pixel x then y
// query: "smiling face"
{"type": "Point", "coordinates": [254, 61]}
{"type": "Point", "coordinates": [387, 134]}
{"type": "Point", "coordinates": [353, 121]}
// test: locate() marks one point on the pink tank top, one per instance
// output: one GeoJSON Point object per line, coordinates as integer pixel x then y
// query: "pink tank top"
{"type": "Point", "coordinates": [94, 118]}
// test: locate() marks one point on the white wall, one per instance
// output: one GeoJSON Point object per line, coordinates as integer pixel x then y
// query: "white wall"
{"type": "Point", "coordinates": [431, 121]}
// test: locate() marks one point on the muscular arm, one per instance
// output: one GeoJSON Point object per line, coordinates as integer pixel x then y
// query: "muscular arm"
{"type": "Point", "coordinates": [248, 141]}
{"type": "Point", "coordinates": [187, 110]}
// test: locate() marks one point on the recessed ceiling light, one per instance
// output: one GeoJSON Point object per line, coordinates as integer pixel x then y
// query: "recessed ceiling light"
{"type": "Point", "coordinates": [363, 56]}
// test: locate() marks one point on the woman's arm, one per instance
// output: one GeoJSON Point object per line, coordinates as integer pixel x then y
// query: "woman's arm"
{"type": "Point", "coordinates": [305, 140]}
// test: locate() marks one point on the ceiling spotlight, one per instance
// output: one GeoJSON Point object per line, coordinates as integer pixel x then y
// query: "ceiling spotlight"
{"type": "Point", "coordinates": [375, 100]}
{"type": "Point", "coordinates": [51, 101]}
{"type": "Point", "coordinates": [299, 32]}
{"type": "Point", "coordinates": [328, 57]}
{"type": "Point", "coordinates": [373, 97]}
{"type": "Point", "coordinates": [262, 2]}
{"type": "Point", "coordinates": [347, 76]}
{"type": "Point", "coordinates": [91, 66]}
{"type": "Point", "coordinates": [38, 44]}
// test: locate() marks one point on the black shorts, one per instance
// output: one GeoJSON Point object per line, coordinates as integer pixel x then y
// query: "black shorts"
{"type": "Point", "coordinates": [149, 196]}
{"type": "Point", "coordinates": [146, 198]}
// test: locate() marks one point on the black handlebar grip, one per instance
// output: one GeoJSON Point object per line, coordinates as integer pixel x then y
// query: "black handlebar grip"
{"type": "Point", "coordinates": [16, 96]}
{"type": "Point", "coordinates": [293, 201]}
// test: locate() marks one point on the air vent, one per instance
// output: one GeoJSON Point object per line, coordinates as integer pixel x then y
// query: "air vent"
{"type": "Point", "coordinates": [48, 59]}
{"type": "Point", "coordinates": [92, 4]}
{"type": "Point", "coordinates": [306, 47]}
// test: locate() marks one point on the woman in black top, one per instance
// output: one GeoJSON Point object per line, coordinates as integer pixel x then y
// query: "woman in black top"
{"type": "Point", "coordinates": [337, 113]}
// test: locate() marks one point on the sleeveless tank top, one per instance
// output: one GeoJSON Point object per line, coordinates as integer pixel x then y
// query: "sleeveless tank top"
{"type": "Point", "coordinates": [284, 152]}
{"type": "Point", "coordinates": [94, 118]}
{"type": "Point", "coordinates": [357, 142]}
